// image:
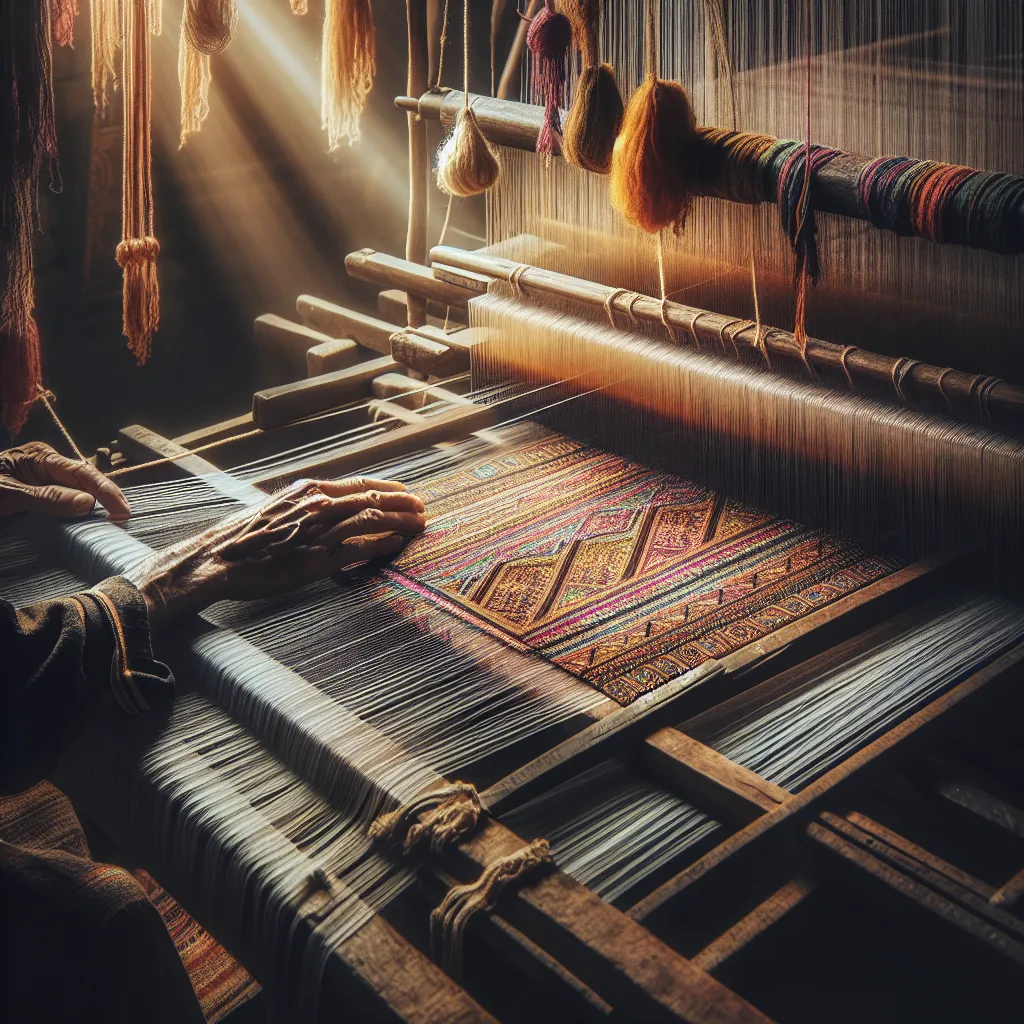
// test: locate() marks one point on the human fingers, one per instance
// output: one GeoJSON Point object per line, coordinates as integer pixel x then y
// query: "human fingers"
{"type": "Point", "coordinates": [51, 467]}
{"type": "Point", "coordinates": [49, 499]}
{"type": "Point", "coordinates": [356, 485]}
{"type": "Point", "coordinates": [384, 501]}
{"type": "Point", "coordinates": [373, 521]}
{"type": "Point", "coordinates": [366, 549]}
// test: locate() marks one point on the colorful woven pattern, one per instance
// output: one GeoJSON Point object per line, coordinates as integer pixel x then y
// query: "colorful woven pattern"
{"type": "Point", "coordinates": [220, 982]}
{"type": "Point", "coordinates": [621, 575]}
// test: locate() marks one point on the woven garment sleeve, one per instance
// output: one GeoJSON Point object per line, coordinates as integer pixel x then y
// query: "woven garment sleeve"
{"type": "Point", "coordinates": [57, 657]}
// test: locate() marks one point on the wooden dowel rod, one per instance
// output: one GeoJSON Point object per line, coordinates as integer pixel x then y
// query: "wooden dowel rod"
{"type": "Point", "coordinates": [515, 54]}
{"type": "Point", "coordinates": [727, 334]}
{"type": "Point", "coordinates": [517, 125]}
{"type": "Point", "coordinates": [419, 157]}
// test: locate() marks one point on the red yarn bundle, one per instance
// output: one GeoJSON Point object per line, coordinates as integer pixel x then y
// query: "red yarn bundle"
{"type": "Point", "coordinates": [29, 136]}
{"type": "Point", "coordinates": [549, 38]}
{"type": "Point", "coordinates": [64, 14]}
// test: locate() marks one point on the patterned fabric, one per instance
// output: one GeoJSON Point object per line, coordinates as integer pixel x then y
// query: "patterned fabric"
{"type": "Point", "coordinates": [220, 982]}
{"type": "Point", "coordinates": [621, 575]}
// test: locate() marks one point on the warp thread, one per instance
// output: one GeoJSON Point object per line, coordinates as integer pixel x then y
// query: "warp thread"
{"type": "Point", "coordinates": [448, 814]}
{"type": "Point", "coordinates": [348, 64]}
{"type": "Point", "coordinates": [943, 202]}
{"type": "Point", "coordinates": [64, 14]}
{"type": "Point", "coordinates": [448, 921]}
{"type": "Point", "coordinates": [137, 252]}
{"type": "Point", "coordinates": [207, 26]}
{"type": "Point", "coordinates": [105, 25]}
{"type": "Point", "coordinates": [548, 39]}
{"type": "Point", "coordinates": [29, 133]}
{"type": "Point", "coordinates": [467, 164]}
{"type": "Point", "coordinates": [595, 116]}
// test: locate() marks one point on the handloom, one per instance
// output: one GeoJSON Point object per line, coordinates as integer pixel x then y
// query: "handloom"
{"type": "Point", "coordinates": [643, 477]}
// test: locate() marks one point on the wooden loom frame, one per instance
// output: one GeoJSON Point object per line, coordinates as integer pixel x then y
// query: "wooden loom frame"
{"type": "Point", "coordinates": [595, 955]}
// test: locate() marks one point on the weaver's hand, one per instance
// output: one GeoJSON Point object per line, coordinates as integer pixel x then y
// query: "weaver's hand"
{"type": "Point", "coordinates": [309, 531]}
{"type": "Point", "coordinates": [35, 478]}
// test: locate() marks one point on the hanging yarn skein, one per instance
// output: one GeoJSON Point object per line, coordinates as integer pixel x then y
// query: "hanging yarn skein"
{"type": "Point", "coordinates": [348, 64]}
{"type": "Point", "coordinates": [207, 26]}
{"type": "Point", "coordinates": [64, 14]}
{"type": "Point", "coordinates": [595, 115]}
{"type": "Point", "coordinates": [29, 132]}
{"type": "Point", "coordinates": [650, 174]}
{"type": "Point", "coordinates": [138, 250]}
{"type": "Point", "coordinates": [467, 163]}
{"type": "Point", "coordinates": [105, 27]}
{"type": "Point", "coordinates": [548, 39]}
{"type": "Point", "coordinates": [300, 7]}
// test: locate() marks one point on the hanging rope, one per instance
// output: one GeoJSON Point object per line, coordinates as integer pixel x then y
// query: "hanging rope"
{"type": "Point", "coordinates": [138, 249]}
{"type": "Point", "coordinates": [64, 14]}
{"type": "Point", "coordinates": [29, 135]}
{"type": "Point", "coordinates": [105, 26]}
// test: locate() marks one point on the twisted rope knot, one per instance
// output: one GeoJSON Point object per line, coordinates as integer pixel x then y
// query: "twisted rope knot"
{"type": "Point", "coordinates": [448, 814]}
{"type": "Point", "coordinates": [133, 251]}
{"type": "Point", "coordinates": [448, 921]}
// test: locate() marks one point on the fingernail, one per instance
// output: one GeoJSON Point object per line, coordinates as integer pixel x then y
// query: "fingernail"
{"type": "Point", "coordinates": [83, 503]}
{"type": "Point", "coordinates": [419, 506]}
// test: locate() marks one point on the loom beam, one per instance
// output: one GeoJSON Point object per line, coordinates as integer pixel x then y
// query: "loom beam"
{"type": "Point", "coordinates": [723, 333]}
{"type": "Point", "coordinates": [517, 125]}
{"type": "Point", "coordinates": [419, 157]}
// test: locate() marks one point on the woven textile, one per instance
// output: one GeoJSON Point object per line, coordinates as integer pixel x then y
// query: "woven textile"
{"type": "Point", "coordinates": [220, 982]}
{"type": "Point", "coordinates": [621, 575]}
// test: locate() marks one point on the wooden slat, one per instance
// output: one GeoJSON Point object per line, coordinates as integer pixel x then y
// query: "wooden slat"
{"type": "Point", "coordinates": [427, 356]}
{"type": "Point", "coordinates": [393, 303]}
{"type": "Point", "coordinates": [338, 322]}
{"type": "Point", "coordinates": [290, 341]}
{"type": "Point", "coordinates": [276, 406]}
{"type": "Point", "coordinates": [991, 808]}
{"type": "Point", "coordinates": [333, 354]}
{"type": "Point", "coordinates": [754, 924]}
{"type": "Point", "coordinates": [864, 867]}
{"type": "Point", "coordinates": [711, 780]}
{"type": "Point", "coordinates": [920, 854]}
{"type": "Point", "coordinates": [414, 393]}
{"type": "Point", "coordinates": [918, 727]}
{"type": "Point", "coordinates": [379, 408]}
{"type": "Point", "coordinates": [381, 269]}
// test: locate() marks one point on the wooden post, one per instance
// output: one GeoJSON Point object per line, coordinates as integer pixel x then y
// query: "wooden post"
{"type": "Point", "coordinates": [419, 159]}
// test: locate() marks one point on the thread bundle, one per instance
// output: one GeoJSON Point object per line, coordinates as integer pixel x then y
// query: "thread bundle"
{"type": "Point", "coordinates": [29, 134]}
{"type": "Point", "coordinates": [467, 164]}
{"type": "Point", "coordinates": [595, 115]}
{"type": "Point", "coordinates": [138, 250]}
{"type": "Point", "coordinates": [650, 185]}
{"type": "Point", "coordinates": [548, 39]}
{"type": "Point", "coordinates": [207, 27]}
{"type": "Point", "coordinates": [105, 26]}
{"type": "Point", "coordinates": [943, 202]}
{"type": "Point", "coordinates": [348, 64]}
{"type": "Point", "coordinates": [64, 14]}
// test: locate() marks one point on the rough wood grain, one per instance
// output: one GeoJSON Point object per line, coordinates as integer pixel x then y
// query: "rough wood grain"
{"type": "Point", "coordinates": [387, 271]}
{"type": "Point", "coordinates": [338, 322]}
{"type": "Point", "coordinates": [333, 354]}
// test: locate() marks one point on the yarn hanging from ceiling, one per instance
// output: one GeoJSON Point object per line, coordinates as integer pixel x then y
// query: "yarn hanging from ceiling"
{"type": "Point", "coordinates": [207, 26]}
{"type": "Point", "coordinates": [348, 64]}
{"type": "Point", "coordinates": [548, 39]}
{"type": "Point", "coordinates": [28, 129]}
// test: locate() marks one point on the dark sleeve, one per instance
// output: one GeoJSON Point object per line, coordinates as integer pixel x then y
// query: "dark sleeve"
{"type": "Point", "coordinates": [57, 657]}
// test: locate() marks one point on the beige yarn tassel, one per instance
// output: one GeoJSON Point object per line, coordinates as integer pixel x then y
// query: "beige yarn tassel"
{"type": "Point", "coordinates": [448, 814]}
{"type": "Point", "coordinates": [300, 6]}
{"type": "Point", "coordinates": [207, 26]}
{"type": "Point", "coordinates": [105, 26]}
{"type": "Point", "coordinates": [138, 250]}
{"type": "Point", "coordinates": [448, 922]}
{"type": "Point", "coordinates": [348, 65]}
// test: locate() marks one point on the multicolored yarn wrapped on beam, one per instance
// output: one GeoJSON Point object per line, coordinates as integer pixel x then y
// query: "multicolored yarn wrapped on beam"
{"type": "Point", "coordinates": [548, 39]}
{"type": "Point", "coordinates": [943, 202]}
